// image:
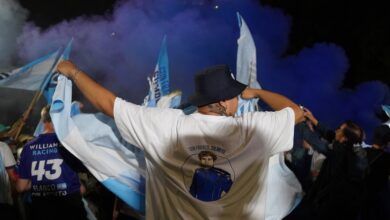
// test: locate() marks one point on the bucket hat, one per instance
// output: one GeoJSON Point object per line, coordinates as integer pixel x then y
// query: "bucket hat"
{"type": "Point", "coordinates": [214, 84]}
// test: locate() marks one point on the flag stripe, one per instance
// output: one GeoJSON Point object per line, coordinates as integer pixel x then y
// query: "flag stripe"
{"type": "Point", "coordinates": [30, 76]}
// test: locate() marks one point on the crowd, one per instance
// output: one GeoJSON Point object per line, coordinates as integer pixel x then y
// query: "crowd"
{"type": "Point", "coordinates": [341, 177]}
{"type": "Point", "coordinates": [223, 157]}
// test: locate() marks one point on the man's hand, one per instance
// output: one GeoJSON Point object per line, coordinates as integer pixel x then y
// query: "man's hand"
{"type": "Point", "coordinates": [249, 93]}
{"type": "Point", "coordinates": [310, 116]}
{"type": "Point", "coordinates": [23, 185]}
{"type": "Point", "coordinates": [68, 69]}
{"type": "Point", "coordinates": [99, 96]}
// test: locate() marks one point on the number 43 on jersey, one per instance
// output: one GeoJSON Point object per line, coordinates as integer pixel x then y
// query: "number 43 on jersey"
{"type": "Point", "coordinates": [52, 173]}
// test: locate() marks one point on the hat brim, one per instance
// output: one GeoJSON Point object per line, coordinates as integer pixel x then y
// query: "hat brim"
{"type": "Point", "coordinates": [234, 90]}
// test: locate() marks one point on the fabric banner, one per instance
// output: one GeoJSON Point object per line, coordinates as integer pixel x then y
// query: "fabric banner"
{"type": "Point", "coordinates": [159, 81]}
{"type": "Point", "coordinates": [49, 85]}
{"type": "Point", "coordinates": [246, 66]}
{"type": "Point", "coordinates": [386, 109]}
{"type": "Point", "coordinates": [284, 191]}
{"type": "Point", "coordinates": [94, 139]}
{"type": "Point", "coordinates": [31, 76]}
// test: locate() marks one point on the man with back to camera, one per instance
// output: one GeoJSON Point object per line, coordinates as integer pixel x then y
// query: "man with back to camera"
{"type": "Point", "coordinates": [50, 172]}
{"type": "Point", "coordinates": [169, 138]}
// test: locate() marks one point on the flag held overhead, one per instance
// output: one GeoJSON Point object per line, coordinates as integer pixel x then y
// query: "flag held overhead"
{"type": "Point", "coordinates": [246, 66]}
{"type": "Point", "coordinates": [159, 81]}
{"type": "Point", "coordinates": [386, 109]}
{"type": "Point", "coordinates": [30, 76]}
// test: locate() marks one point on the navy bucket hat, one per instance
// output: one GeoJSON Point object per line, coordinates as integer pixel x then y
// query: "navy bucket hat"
{"type": "Point", "coordinates": [215, 84]}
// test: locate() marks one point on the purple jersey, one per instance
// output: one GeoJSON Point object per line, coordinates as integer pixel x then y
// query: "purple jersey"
{"type": "Point", "coordinates": [46, 163]}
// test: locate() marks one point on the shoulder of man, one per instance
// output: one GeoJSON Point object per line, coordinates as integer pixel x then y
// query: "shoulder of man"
{"type": "Point", "coordinates": [221, 172]}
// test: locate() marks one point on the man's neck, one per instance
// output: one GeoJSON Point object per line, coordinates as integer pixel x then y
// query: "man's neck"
{"type": "Point", "coordinates": [213, 109]}
{"type": "Point", "coordinates": [48, 128]}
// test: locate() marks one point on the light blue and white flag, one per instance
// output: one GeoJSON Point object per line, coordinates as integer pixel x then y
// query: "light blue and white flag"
{"type": "Point", "coordinates": [386, 109]}
{"type": "Point", "coordinates": [49, 84]}
{"type": "Point", "coordinates": [172, 100]}
{"type": "Point", "coordinates": [95, 140]}
{"type": "Point", "coordinates": [246, 66]}
{"type": "Point", "coordinates": [31, 76]}
{"type": "Point", "coordinates": [75, 109]}
{"type": "Point", "coordinates": [283, 189]}
{"type": "Point", "coordinates": [159, 81]}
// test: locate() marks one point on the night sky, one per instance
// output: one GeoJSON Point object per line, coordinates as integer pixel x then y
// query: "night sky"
{"type": "Point", "coordinates": [331, 56]}
{"type": "Point", "coordinates": [362, 28]}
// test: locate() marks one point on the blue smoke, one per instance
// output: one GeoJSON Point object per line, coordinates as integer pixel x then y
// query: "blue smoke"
{"type": "Point", "coordinates": [121, 49]}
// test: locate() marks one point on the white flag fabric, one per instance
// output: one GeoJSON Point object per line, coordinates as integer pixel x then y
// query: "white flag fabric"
{"type": "Point", "coordinates": [284, 191]}
{"type": "Point", "coordinates": [94, 139]}
{"type": "Point", "coordinates": [246, 56]}
{"type": "Point", "coordinates": [246, 66]}
{"type": "Point", "coordinates": [49, 84]}
{"type": "Point", "coordinates": [159, 81]}
{"type": "Point", "coordinates": [31, 76]}
{"type": "Point", "coordinates": [386, 109]}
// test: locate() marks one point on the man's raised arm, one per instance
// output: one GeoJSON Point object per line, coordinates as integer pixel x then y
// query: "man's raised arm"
{"type": "Point", "coordinates": [99, 96]}
{"type": "Point", "coordinates": [274, 100]}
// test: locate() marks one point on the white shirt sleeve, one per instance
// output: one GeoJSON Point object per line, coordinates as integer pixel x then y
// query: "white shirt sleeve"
{"type": "Point", "coordinates": [7, 156]}
{"type": "Point", "coordinates": [145, 127]}
{"type": "Point", "coordinates": [276, 129]}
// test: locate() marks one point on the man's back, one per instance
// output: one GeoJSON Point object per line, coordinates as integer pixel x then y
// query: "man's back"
{"type": "Point", "coordinates": [242, 145]}
{"type": "Point", "coordinates": [54, 182]}
{"type": "Point", "coordinates": [42, 160]}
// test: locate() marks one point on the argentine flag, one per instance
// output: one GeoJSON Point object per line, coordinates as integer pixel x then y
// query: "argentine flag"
{"type": "Point", "coordinates": [284, 191]}
{"type": "Point", "coordinates": [246, 66]}
{"type": "Point", "coordinates": [49, 85]}
{"type": "Point", "coordinates": [31, 76]}
{"type": "Point", "coordinates": [159, 81]}
{"type": "Point", "coordinates": [94, 139]}
{"type": "Point", "coordinates": [386, 109]}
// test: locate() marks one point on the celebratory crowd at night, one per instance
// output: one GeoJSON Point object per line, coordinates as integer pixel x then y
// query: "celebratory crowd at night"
{"type": "Point", "coordinates": [273, 116]}
{"type": "Point", "coordinates": [217, 161]}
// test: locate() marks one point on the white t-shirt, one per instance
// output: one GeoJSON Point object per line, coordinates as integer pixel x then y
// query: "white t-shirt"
{"type": "Point", "coordinates": [172, 141]}
{"type": "Point", "coordinates": [6, 160]}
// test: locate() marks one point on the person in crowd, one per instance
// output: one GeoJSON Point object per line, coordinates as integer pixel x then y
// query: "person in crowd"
{"type": "Point", "coordinates": [7, 182]}
{"type": "Point", "coordinates": [337, 191]}
{"type": "Point", "coordinates": [303, 160]}
{"type": "Point", "coordinates": [50, 172]}
{"type": "Point", "coordinates": [169, 138]}
{"type": "Point", "coordinates": [377, 201]}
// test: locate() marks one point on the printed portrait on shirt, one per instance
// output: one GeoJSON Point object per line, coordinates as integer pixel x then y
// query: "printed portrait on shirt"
{"type": "Point", "coordinates": [211, 176]}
